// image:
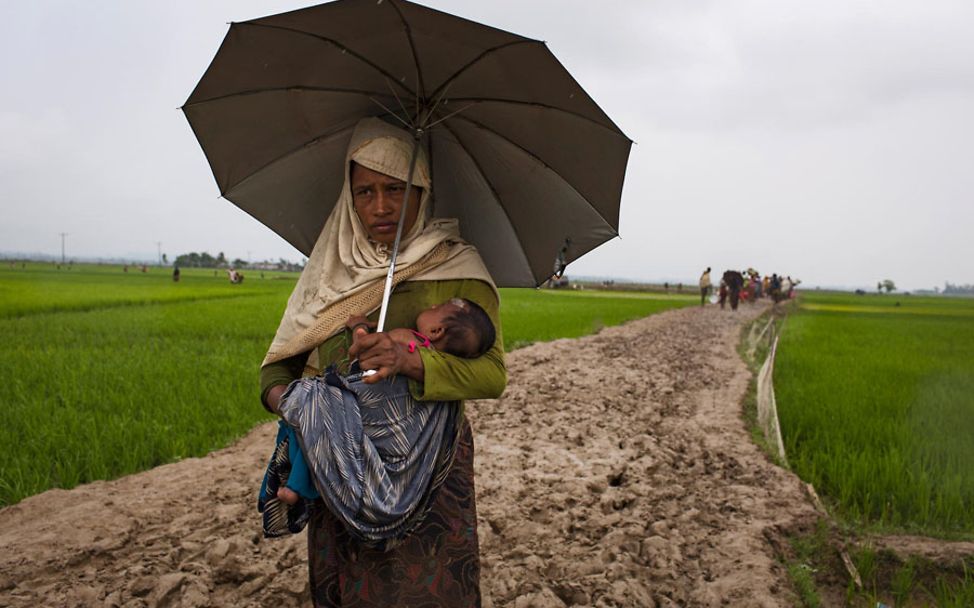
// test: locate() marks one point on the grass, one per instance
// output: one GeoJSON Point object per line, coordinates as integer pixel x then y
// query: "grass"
{"type": "Point", "coordinates": [892, 581]}
{"type": "Point", "coordinates": [815, 570]}
{"type": "Point", "coordinates": [811, 553]}
{"type": "Point", "coordinates": [529, 315]}
{"type": "Point", "coordinates": [874, 394]}
{"type": "Point", "coordinates": [102, 393]}
{"type": "Point", "coordinates": [876, 402]}
{"type": "Point", "coordinates": [105, 373]}
{"type": "Point", "coordinates": [42, 288]}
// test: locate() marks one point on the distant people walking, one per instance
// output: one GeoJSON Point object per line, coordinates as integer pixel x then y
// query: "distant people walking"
{"type": "Point", "coordinates": [734, 281]}
{"type": "Point", "coordinates": [775, 288]}
{"type": "Point", "coordinates": [705, 286]}
{"type": "Point", "coordinates": [753, 287]}
{"type": "Point", "coordinates": [792, 284]}
{"type": "Point", "coordinates": [175, 274]}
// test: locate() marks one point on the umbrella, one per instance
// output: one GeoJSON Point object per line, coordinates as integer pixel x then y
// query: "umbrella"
{"type": "Point", "coordinates": [526, 160]}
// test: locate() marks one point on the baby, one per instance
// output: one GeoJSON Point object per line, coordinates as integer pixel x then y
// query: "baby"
{"type": "Point", "coordinates": [458, 327]}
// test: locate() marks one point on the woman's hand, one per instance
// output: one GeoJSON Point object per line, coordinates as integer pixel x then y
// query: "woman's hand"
{"type": "Point", "coordinates": [386, 356]}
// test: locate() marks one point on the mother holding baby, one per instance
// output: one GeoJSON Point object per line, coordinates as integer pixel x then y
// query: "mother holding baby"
{"type": "Point", "coordinates": [437, 564]}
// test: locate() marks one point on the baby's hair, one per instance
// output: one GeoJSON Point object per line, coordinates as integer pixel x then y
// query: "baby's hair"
{"type": "Point", "coordinates": [469, 318]}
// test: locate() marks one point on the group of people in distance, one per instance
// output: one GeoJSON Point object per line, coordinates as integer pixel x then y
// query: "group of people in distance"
{"type": "Point", "coordinates": [747, 285]}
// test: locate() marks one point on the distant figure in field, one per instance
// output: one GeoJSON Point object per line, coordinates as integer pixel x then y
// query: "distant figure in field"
{"type": "Point", "coordinates": [175, 274]}
{"type": "Point", "coordinates": [144, 268]}
{"type": "Point", "coordinates": [734, 282]}
{"type": "Point", "coordinates": [125, 268]}
{"type": "Point", "coordinates": [705, 286]}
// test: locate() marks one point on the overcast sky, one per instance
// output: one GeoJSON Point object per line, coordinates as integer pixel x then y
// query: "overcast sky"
{"type": "Point", "coordinates": [830, 140]}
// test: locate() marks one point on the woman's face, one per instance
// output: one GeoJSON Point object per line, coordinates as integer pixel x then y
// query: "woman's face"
{"type": "Point", "coordinates": [378, 200]}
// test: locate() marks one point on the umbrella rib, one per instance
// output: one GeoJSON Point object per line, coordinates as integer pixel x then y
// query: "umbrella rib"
{"type": "Point", "coordinates": [412, 48]}
{"type": "Point", "coordinates": [480, 57]}
{"type": "Point", "coordinates": [543, 106]}
{"type": "Point", "coordinates": [391, 113]}
{"type": "Point", "coordinates": [401, 105]}
{"type": "Point", "coordinates": [480, 125]}
{"type": "Point", "coordinates": [497, 197]}
{"type": "Point", "coordinates": [335, 43]}
{"type": "Point", "coordinates": [298, 88]}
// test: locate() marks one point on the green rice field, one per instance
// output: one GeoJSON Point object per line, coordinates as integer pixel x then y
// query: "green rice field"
{"type": "Point", "coordinates": [876, 400]}
{"type": "Point", "coordinates": [105, 373]}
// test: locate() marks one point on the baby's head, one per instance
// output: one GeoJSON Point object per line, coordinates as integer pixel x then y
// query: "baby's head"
{"type": "Point", "coordinates": [459, 327]}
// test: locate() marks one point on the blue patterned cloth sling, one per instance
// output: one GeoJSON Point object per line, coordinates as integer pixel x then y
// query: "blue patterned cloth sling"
{"type": "Point", "coordinates": [375, 454]}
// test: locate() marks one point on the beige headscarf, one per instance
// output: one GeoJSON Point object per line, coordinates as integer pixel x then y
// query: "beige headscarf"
{"type": "Point", "coordinates": [346, 271]}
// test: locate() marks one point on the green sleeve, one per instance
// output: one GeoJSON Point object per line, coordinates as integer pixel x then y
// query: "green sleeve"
{"type": "Point", "coordinates": [282, 372]}
{"type": "Point", "coordinates": [452, 378]}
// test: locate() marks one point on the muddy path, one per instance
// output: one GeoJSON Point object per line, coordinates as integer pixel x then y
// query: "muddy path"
{"type": "Point", "coordinates": [615, 471]}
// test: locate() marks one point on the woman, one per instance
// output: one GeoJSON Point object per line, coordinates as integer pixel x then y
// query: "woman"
{"type": "Point", "coordinates": [438, 563]}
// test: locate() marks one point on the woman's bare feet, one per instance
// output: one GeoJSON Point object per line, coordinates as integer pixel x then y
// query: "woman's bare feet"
{"type": "Point", "coordinates": [287, 495]}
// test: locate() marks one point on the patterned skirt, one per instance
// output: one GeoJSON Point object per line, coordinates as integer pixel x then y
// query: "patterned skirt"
{"type": "Point", "coordinates": [438, 564]}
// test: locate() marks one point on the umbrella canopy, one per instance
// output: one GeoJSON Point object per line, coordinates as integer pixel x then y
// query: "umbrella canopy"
{"type": "Point", "coordinates": [518, 151]}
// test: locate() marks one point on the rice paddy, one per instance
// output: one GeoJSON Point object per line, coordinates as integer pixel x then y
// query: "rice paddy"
{"type": "Point", "coordinates": [105, 372]}
{"type": "Point", "coordinates": [876, 401]}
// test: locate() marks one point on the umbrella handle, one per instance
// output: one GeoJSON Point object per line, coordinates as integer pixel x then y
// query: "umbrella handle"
{"type": "Point", "coordinates": [395, 246]}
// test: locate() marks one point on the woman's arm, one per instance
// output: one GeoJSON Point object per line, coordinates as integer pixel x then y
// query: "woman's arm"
{"type": "Point", "coordinates": [434, 375]}
{"type": "Point", "coordinates": [272, 402]}
{"type": "Point", "coordinates": [451, 378]}
{"type": "Point", "coordinates": [448, 377]}
{"type": "Point", "coordinates": [274, 378]}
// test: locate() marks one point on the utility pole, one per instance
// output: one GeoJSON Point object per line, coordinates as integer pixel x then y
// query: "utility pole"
{"type": "Point", "coordinates": [248, 257]}
{"type": "Point", "coordinates": [63, 234]}
{"type": "Point", "coordinates": [159, 247]}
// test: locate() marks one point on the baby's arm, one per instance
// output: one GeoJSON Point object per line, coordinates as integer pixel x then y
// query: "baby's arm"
{"type": "Point", "coordinates": [359, 326]}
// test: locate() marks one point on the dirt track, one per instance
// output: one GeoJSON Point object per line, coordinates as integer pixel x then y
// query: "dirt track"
{"type": "Point", "coordinates": [616, 471]}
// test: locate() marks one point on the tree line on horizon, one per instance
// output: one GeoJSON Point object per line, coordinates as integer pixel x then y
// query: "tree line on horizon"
{"type": "Point", "coordinates": [206, 260]}
{"type": "Point", "coordinates": [952, 289]}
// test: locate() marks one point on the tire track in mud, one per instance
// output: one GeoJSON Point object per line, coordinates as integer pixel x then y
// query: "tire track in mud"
{"type": "Point", "coordinates": [615, 471]}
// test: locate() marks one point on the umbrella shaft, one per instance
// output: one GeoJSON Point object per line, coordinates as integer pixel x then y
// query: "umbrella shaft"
{"type": "Point", "coordinates": [395, 245]}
